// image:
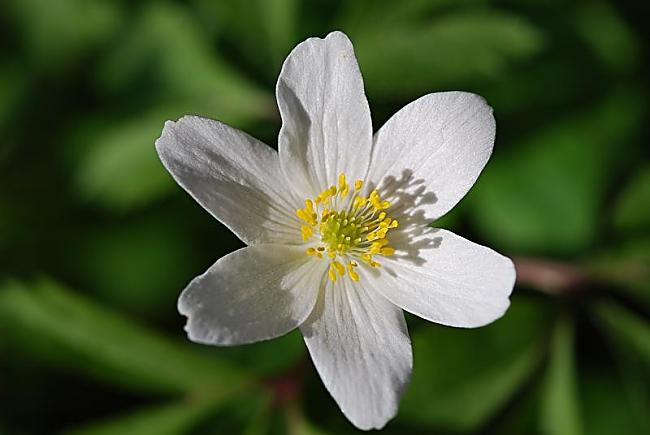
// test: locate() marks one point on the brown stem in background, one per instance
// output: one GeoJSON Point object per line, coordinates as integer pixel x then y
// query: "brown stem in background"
{"type": "Point", "coordinates": [287, 387]}
{"type": "Point", "coordinates": [549, 276]}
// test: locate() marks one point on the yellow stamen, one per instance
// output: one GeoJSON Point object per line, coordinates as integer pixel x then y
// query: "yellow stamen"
{"type": "Point", "coordinates": [343, 186]}
{"type": "Point", "coordinates": [387, 251]}
{"type": "Point", "coordinates": [331, 272]}
{"type": "Point", "coordinates": [347, 228]}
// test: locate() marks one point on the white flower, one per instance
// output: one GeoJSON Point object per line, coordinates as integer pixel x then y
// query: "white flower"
{"type": "Point", "coordinates": [336, 225]}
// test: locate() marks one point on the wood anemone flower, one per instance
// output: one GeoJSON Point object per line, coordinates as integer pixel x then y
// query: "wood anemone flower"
{"type": "Point", "coordinates": [337, 226]}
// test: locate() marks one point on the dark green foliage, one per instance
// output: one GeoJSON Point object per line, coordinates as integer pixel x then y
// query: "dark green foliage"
{"type": "Point", "coordinates": [96, 347]}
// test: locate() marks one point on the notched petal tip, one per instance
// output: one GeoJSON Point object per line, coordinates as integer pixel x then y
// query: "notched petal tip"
{"type": "Point", "coordinates": [166, 130]}
{"type": "Point", "coordinates": [334, 35]}
{"type": "Point", "coordinates": [169, 130]}
{"type": "Point", "coordinates": [170, 125]}
{"type": "Point", "coordinates": [186, 311]}
{"type": "Point", "coordinates": [338, 35]}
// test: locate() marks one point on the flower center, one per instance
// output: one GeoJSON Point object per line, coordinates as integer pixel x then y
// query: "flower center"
{"type": "Point", "coordinates": [347, 227]}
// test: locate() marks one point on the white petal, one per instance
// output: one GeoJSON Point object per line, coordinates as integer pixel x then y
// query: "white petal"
{"type": "Point", "coordinates": [361, 348]}
{"type": "Point", "coordinates": [326, 126]}
{"type": "Point", "coordinates": [256, 293]}
{"type": "Point", "coordinates": [431, 152]}
{"type": "Point", "coordinates": [444, 278]}
{"type": "Point", "coordinates": [233, 176]}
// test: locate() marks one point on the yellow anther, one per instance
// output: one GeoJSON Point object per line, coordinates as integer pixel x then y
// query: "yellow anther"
{"type": "Point", "coordinates": [387, 251]}
{"type": "Point", "coordinates": [332, 273]}
{"type": "Point", "coordinates": [357, 228]}
{"type": "Point", "coordinates": [359, 202]}
{"type": "Point", "coordinates": [314, 252]}
{"type": "Point", "coordinates": [306, 231]}
{"type": "Point", "coordinates": [306, 215]}
{"type": "Point", "coordinates": [375, 202]}
{"type": "Point", "coordinates": [343, 185]}
{"type": "Point", "coordinates": [325, 195]}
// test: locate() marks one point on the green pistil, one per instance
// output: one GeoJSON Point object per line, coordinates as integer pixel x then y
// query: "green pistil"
{"type": "Point", "coordinates": [341, 232]}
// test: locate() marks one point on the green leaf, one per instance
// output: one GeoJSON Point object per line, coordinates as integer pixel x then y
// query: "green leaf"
{"type": "Point", "coordinates": [271, 357]}
{"type": "Point", "coordinates": [173, 419]}
{"type": "Point", "coordinates": [365, 14]}
{"type": "Point", "coordinates": [461, 377]}
{"type": "Point", "coordinates": [412, 59]}
{"type": "Point", "coordinates": [559, 412]}
{"type": "Point", "coordinates": [248, 414]}
{"type": "Point", "coordinates": [259, 423]}
{"type": "Point", "coordinates": [627, 267]}
{"type": "Point", "coordinates": [626, 328]}
{"type": "Point", "coordinates": [544, 195]}
{"type": "Point", "coordinates": [56, 34]}
{"type": "Point", "coordinates": [164, 61]}
{"type": "Point", "coordinates": [165, 57]}
{"type": "Point", "coordinates": [632, 211]}
{"type": "Point", "coordinates": [631, 400]}
{"type": "Point", "coordinates": [119, 167]}
{"type": "Point", "coordinates": [279, 18]}
{"type": "Point", "coordinates": [275, 23]}
{"type": "Point", "coordinates": [13, 89]}
{"type": "Point", "coordinates": [62, 327]}
{"type": "Point", "coordinates": [607, 406]}
{"type": "Point", "coordinates": [298, 424]}
{"type": "Point", "coordinates": [610, 38]}
{"type": "Point", "coordinates": [154, 257]}
{"type": "Point", "coordinates": [522, 416]}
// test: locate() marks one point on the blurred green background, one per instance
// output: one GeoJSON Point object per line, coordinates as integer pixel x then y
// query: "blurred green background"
{"type": "Point", "coordinates": [96, 241]}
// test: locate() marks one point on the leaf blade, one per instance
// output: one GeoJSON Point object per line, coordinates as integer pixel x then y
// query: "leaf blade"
{"type": "Point", "coordinates": [559, 411]}
{"type": "Point", "coordinates": [64, 328]}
